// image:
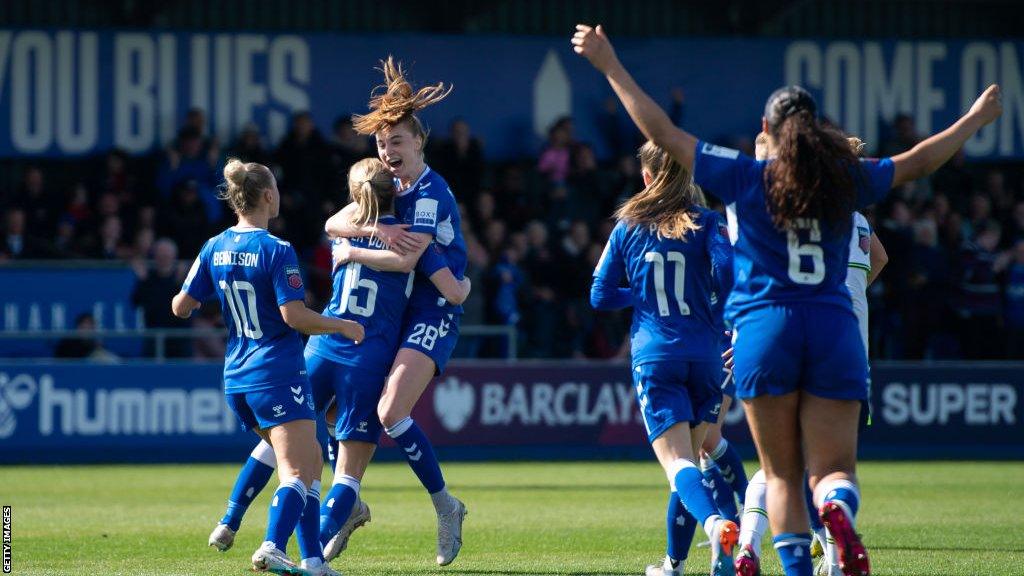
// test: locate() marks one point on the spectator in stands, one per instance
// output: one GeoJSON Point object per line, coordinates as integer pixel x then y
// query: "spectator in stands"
{"type": "Point", "coordinates": [109, 244]}
{"type": "Point", "coordinates": [117, 178]}
{"type": "Point", "coordinates": [503, 283]}
{"type": "Point", "coordinates": [86, 344]}
{"type": "Point", "coordinates": [41, 206]}
{"type": "Point", "coordinates": [156, 285]}
{"type": "Point", "coordinates": [1015, 226]}
{"type": "Point", "coordinates": [347, 146]}
{"type": "Point", "coordinates": [186, 221]}
{"type": "Point", "coordinates": [64, 240]}
{"type": "Point", "coordinates": [249, 145]}
{"type": "Point", "coordinates": [17, 243]}
{"type": "Point", "coordinates": [928, 279]}
{"type": "Point", "coordinates": [208, 347]}
{"type": "Point", "coordinates": [460, 157]}
{"type": "Point", "coordinates": [1014, 302]}
{"type": "Point", "coordinates": [554, 160]}
{"type": "Point", "coordinates": [980, 302]}
{"type": "Point", "coordinates": [186, 163]}
{"type": "Point", "coordinates": [305, 179]}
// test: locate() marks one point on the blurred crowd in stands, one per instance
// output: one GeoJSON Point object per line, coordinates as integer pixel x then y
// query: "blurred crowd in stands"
{"type": "Point", "coordinates": [535, 228]}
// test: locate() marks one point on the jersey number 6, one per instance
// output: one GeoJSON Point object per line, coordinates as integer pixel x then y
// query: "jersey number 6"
{"type": "Point", "coordinates": [810, 250]}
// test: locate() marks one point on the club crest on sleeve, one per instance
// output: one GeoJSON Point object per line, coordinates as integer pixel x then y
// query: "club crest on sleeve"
{"type": "Point", "coordinates": [864, 239]}
{"type": "Point", "coordinates": [294, 277]}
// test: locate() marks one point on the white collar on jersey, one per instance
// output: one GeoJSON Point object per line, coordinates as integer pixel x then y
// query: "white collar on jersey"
{"type": "Point", "coordinates": [426, 170]}
{"type": "Point", "coordinates": [238, 228]}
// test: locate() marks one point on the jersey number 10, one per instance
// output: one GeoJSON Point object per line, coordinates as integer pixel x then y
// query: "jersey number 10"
{"type": "Point", "coordinates": [243, 311]}
{"type": "Point", "coordinates": [679, 281]}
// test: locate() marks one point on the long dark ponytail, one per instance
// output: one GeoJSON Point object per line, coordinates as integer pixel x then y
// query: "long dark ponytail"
{"type": "Point", "coordinates": [812, 175]}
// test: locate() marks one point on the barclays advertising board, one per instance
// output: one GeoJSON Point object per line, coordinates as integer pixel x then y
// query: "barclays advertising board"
{"type": "Point", "coordinates": [81, 92]}
{"type": "Point", "coordinates": [176, 413]}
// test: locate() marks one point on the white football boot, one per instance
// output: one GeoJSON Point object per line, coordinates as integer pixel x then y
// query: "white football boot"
{"type": "Point", "coordinates": [268, 558]}
{"type": "Point", "coordinates": [222, 537]}
{"type": "Point", "coordinates": [318, 568]}
{"type": "Point", "coordinates": [449, 533]}
{"type": "Point", "coordinates": [664, 569]}
{"type": "Point", "coordinates": [360, 515]}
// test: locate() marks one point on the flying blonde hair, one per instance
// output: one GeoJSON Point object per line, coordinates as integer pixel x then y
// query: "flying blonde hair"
{"type": "Point", "coordinates": [667, 203]}
{"type": "Point", "coordinates": [395, 101]}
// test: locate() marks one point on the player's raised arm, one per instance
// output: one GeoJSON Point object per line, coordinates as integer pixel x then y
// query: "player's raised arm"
{"type": "Point", "coordinates": [593, 44]}
{"type": "Point", "coordinates": [933, 152]}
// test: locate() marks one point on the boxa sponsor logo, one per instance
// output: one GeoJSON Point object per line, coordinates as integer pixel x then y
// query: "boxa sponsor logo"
{"type": "Point", "coordinates": [119, 411]}
{"type": "Point", "coordinates": [974, 404]}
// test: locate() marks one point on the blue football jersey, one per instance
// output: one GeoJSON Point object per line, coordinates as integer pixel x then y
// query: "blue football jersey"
{"type": "Point", "coordinates": [429, 206]}
{"type": "Point", "coordinates": [670, 287]}
{"type": "Point", "coordinates": [372, 298]}
{"type": "Point", "coordinates": [804, 264]}
{"type": "Point", "coordinates": [252, 272]}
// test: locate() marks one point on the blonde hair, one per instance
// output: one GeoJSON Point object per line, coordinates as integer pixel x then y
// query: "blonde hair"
{"type": "Point", "coordinates": [395, 102]}
{"type": "Point", "coordinates": [371, 187]}
{"type": "Point", "coordinates": [667, 203]}
{"type": "Point", "coordinates": [244, 183]}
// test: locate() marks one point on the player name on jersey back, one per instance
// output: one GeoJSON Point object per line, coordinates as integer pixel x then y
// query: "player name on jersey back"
{"type": "Point", "coordinates": [229, 258]}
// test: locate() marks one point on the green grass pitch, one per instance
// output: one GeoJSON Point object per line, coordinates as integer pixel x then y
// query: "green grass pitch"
{"type": "Point", "coordinates": [927, 519]}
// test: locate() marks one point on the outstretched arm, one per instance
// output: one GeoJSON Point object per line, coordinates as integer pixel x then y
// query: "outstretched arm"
{"type": "Point", "coordinates": [593, 44]}
{"type": "Point", "coordinates": [298, 317]}
{"type": "Point", "coordinates": [933, 152]}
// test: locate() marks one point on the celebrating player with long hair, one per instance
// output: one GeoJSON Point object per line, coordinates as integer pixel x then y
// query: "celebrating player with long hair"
{"type": "Point", "coordinates": [800, 366]}
{"type": "Point", "coordinates": [256, 277]}
{"type": "Point", "coordinates": [426, 207]}
{"type": "Point", "coordinates": [670, 247]}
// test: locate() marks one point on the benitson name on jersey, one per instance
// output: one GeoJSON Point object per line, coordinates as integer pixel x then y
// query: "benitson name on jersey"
{"type": "Point", "coordinates": [228, 258]}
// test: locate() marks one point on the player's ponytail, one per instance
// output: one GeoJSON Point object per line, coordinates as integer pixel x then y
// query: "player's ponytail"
{"type": "Point", "coordinates": [812, 175]}
{"type": "Point", "coordinates": [371, 187]}
{"type": "Point", "coordinates": [244, 184]}
{"type": "Point", "coordinates": [395, 102]}
{"type": "Point", "coordinates": [667, 203]}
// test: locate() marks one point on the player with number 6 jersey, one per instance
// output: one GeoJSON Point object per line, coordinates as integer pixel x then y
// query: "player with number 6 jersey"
{"type": "Point", "coordinates": [669, 248]}
{"type": "Point", "coordinates": [256, 277]}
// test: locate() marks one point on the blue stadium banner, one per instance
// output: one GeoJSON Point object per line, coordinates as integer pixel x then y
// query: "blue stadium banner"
{"type": "Point", "coordinates": [175, 412]}
{"type": "Point", "coordinates": [79, 92]}
{"type": "Point", "coordinates": [47, 298]}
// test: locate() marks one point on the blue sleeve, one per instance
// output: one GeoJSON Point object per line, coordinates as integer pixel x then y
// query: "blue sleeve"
{"type": "Point", "coordinates": [427, 212]}
{"type": "Point", "coordinates": [875, 181]}
{"type": "Point", "coordinates": [605, 293]}
{"type": "Point", "coordinates": [720, 253]}
{"type": "Point", "coordinates": [285, 273]}
{"type": "Point", "coordinates": [199, 284]}
{"type": "Point", "coordinates": [724, 172]}
{"type": "Point", "coordinates": [431, 261]}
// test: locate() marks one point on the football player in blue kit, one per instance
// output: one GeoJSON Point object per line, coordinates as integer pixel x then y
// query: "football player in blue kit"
{"type": "Point", "coordinates": [429, 214]}
{"type": "Point", "coordinates": [256, 277]}
{"type": "Point", "coordinates": [800, 365]}
{"type": "Point", "coordinates": [669, 249]}
{"type": "Point", "coordinates": [349, 375]}
{"type": "Point", "coordinates": [355, 375]}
